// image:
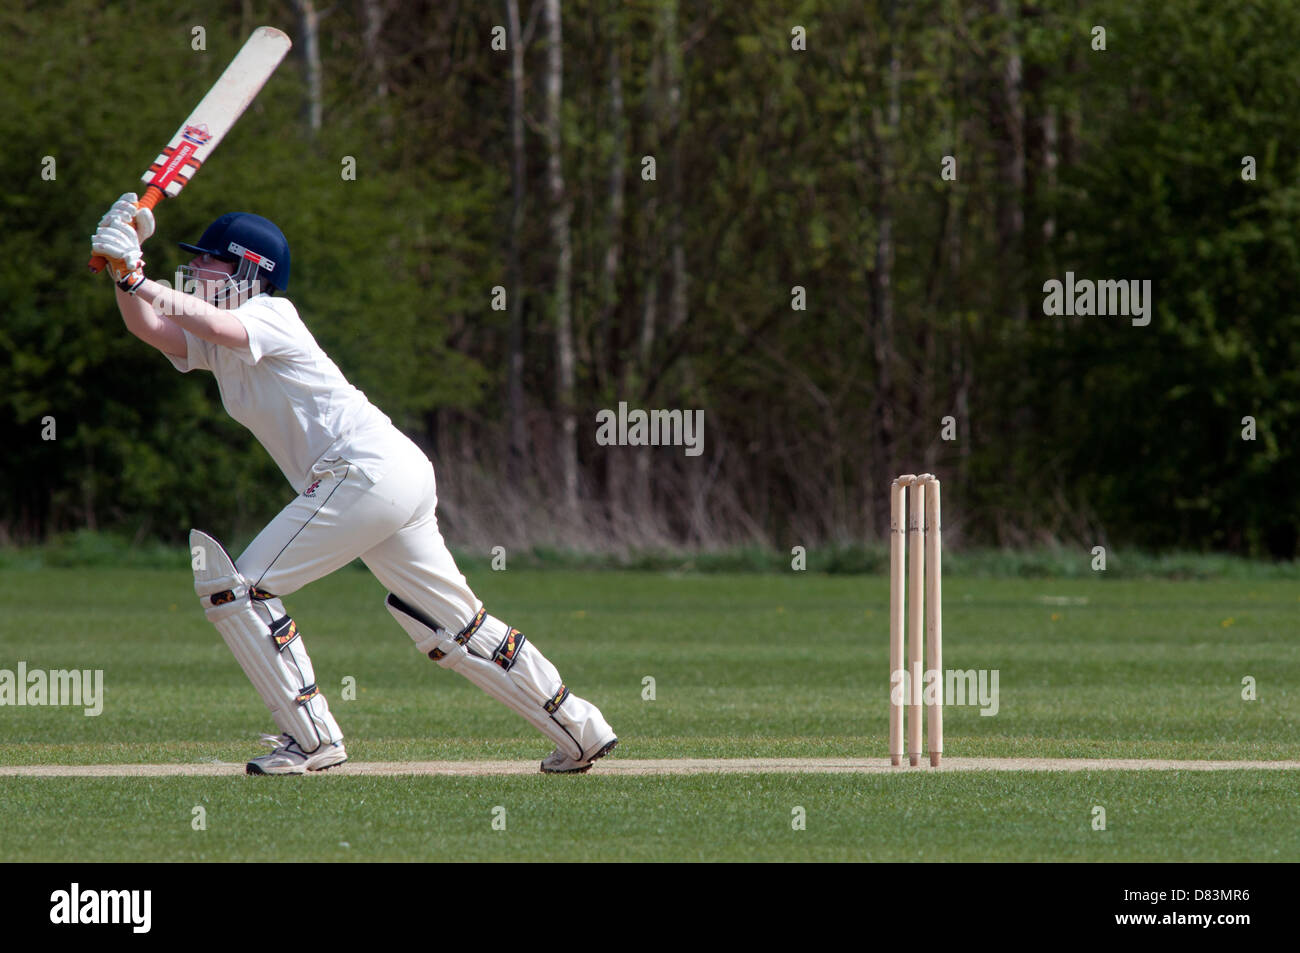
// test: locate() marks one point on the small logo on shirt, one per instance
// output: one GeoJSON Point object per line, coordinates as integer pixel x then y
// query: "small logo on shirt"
{"type": "Point", "coordinates": [311, 490]}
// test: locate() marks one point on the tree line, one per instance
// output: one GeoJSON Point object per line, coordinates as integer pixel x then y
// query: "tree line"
{"type": "Point", "coordinates": [829, 227]}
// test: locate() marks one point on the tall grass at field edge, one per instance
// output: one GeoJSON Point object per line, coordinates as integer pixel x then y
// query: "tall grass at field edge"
{"type": "Point", "coordinates": [104, 550]}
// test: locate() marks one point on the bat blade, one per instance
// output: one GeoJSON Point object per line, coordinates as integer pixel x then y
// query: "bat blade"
{"type": "Point", "coordinates": [213, 117]}
{"type": "Point", "coordinates": [218, 111]}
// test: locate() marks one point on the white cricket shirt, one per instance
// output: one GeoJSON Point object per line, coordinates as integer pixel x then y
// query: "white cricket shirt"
{"type": "Point", "coordinates": [294, 399]}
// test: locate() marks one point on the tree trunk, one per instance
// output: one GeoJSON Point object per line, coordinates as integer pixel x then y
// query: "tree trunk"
{"type": "Point", "coordinates": [1009, 113]}
{"type": "Point", "coordinates": [308, 42]}
{"type": "Point", "coordinates": [641, 372]}
{"type": "Point", "coordinates": [616, 199]}
{"type": "Point", "coordinates": [608, 349]}
{"type": "Point", "coordinates": [885, 459]}
{"type": "Point", "coordinates": [515, 462]}
{"type": "Point", "coordinates": [567, 449]}
{"type": "Point", "coordinates": [676, 230]}
{"type": "Point", "coordinates": [1040, 156]}
{"type": "Point", "coordinates": [374, 15]}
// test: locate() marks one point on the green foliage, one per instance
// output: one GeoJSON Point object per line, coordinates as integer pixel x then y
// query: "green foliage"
{"type": "Point", "coordinates": [776, 168]}
{"type": "Point", "coordinates": [378, 273]}
{"type": "Point", "coordinates": [1153, 417]}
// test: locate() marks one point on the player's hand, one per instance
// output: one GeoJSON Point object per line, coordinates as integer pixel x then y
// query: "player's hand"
{"type": "Point", "coordinates": [124, 209]}
{"type": "Point", "coordinates": [115, 238]}
{"type": "Point", "coordinates": [117, 241]}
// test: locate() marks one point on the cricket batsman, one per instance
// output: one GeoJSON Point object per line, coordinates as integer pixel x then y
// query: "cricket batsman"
{"type": "Point", "coordinates": [363, 490]}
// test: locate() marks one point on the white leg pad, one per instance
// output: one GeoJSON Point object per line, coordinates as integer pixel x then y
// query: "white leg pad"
{"type": "Point", "coordinates": [502, 662]}
{"type": "Point", "coordinates": [266, 644]}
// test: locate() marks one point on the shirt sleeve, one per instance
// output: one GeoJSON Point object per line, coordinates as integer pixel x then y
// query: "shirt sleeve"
{"type": "Point", "coordinates": [270, 333]}
{"type": "Point", "coordinates": [196, 355]}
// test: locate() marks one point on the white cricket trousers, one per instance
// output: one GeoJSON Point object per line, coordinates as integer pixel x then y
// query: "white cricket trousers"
{"type": "Point", "coordinates": [391, 525]}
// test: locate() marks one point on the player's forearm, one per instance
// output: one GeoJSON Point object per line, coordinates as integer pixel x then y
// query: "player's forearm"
{"type": "Point", "coordinates": [149, 326]}
{"type": "Point", "coordinates": [139, 317]}
{"type": "Point", "coordinates": [194, 314]}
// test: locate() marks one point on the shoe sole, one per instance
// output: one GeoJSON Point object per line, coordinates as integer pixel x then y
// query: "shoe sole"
{"type": "Point", "coordinates": [257, 771]}
{"type": "Point", "coordinates": [583, 769]}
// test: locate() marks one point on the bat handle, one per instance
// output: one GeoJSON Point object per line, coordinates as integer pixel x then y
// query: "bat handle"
{"type": "Point", "coordinates": [152, 196]}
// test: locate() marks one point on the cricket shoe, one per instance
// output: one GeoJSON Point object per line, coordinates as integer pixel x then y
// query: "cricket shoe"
{"type": "Point", "coordinates": [557, 762]}
{"type": "Point", "coordinates": [288, 758]}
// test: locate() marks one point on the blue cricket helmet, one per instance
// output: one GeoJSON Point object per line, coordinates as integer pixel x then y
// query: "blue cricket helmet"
{"type": "Point", "coordinates": [255, 243]}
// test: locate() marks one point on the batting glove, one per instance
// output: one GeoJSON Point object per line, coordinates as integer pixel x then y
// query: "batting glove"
{"type": "Point", "coordinates": [125, 208]}
{"type": "Point", "coordinates": [117, 241]}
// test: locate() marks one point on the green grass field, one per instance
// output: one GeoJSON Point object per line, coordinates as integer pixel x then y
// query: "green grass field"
{"type": "Point", "coordinates": [759, 665]}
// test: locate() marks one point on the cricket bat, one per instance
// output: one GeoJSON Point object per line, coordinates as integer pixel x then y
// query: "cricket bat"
{"type": "Point", "coordinates": [212, 118]}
